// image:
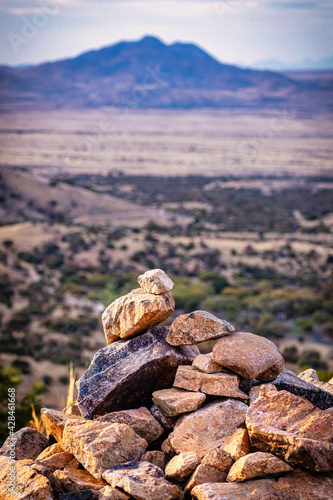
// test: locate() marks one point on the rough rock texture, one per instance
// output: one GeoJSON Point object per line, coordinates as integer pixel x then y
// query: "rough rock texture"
{"type": "Point", "coordinates": [154, 457]}
{"type": "Point", "coordinates": [110, 493]}
{"type": "Point", "coordinates": [249, 355]}
{"type": "Point", "coordinates": [29, 485]}
{"type": "Point", "coordinates": [173, 402]}
{"type": "Point", "coordinates": [59, 461]}
{"type": "Point", "coordinates": [182, 466]}
{"type": "Point", "coordinates": [256, 465]}
{"type": "Point", "coordinates": [206, 363]}
{"type": "Point", "coordinates": [69, 481]}
{"type": "Point", "coordinates": [219, 459]}
{"type": "Point", "coordinates": [100, 445]}
{"type": "Point", "coordinates": [141, 420]}
{"type": "Point", "coordinates": [311, 376]}
{"type": "Point", "coordinates": [237, 445]}
{"type": "Point", "coordinates": [260, 489]}
{"type": "Point", "coordinates": [27, 443]}
{"type": "Point", "coordinates": [80, 495]}
{"type": "Point", "coordinates": [215, 384]}
{"type": "Point", "coordinates": [303, 485]}
{"type": "Point", "coordinates": [155, 281]}
{"type": "Point", "coordinates": [287, 380]}
{"type": "Point", "coordinates": [143, 481]}
{"type": "Point", "coordinates": [135, 313]}
{"type": "Point", "coordinates": [54, 422]}
{"type": "Point", "coordinates": [254, 392]}
{"type": "Point", "coordinates": [198, 326]}
{"type": "Point", "coordinates": [208, 427]}
{"type": "Point", "coordinates": [125, 374]}
{"type": "Point", "coordinates": [205, 474]}
{"type": "Point", "coordinates": [291, 428]}
{"type": "Point", "coordinates": [49, 451]}
{"type": "Point", "coordinates": [167, 422]}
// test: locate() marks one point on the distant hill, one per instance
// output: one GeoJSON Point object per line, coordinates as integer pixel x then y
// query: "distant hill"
{"type": "Point", "coordinates": [305, 65]}
{"type": "Point", "coordinates": [149, 74]}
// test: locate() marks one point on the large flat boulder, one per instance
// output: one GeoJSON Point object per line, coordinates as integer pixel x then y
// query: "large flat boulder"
{"type": "Point", "coordinates": [101, 445]}
{"type": "Point", "coordinates": [135, 313]}
{"type": "Point", "coordinates": [249, 355]}
{"type": "Point", "coordinates": [124, 375]}
{"type": "Point", "coordinates": [196, 327]}
{"type": "Point", "coordinates": [291, 428]}
{"type": "Point", "coordinates": [208, 427]}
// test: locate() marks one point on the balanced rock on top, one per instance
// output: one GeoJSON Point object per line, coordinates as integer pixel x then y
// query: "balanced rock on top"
{"type": "Point", "coordinates": [155, 281]}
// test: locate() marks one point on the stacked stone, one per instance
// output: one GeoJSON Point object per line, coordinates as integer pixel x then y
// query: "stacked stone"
{"type": "Point", "coordinates": [156, 420]}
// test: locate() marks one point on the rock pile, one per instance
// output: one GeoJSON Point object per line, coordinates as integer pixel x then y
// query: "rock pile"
{"type": "Point", "coordinates": [156, 420]}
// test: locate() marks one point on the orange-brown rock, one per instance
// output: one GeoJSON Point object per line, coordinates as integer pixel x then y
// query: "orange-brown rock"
{"type": "Point", "coordinates": [173, 402]}
{"type": "Point", "coordinates": [155, 457]}
{"type": "Point", "coordinates": [205, 474]}
{"type": "Point", "coordinates": [58, 461]}
{"type": "Point", "coordinates": [206, 363]}
{"type": "Point", "coordinates": [135, 313]}
{"type": "Point", "coordinates": [196, 327]}
{"type": "Point", "coordinates": [304, 485]}
{"type": "Point", "coordinates": [143, 481]}
{"type": "Point", "coordinates": [18, 481]}
{"type": "Point", "coordinates": [49, 451]}
{"type": "Point", "coordinates": [249, 355]}
{"type": "Point", "coordinates": [237, 445]}
{"type": "Point", "coordinates": [110, 493]}
{"type": "Point", "coordinates": [219, 459]}
{"type": "Point", "coordinates": [72, 409]}
{"type": "Point", "coordinates": [155, 281]}
{"type": "Point", "coordinates": [100, 445]}
{"type": "Point", "coordinates": [208, 427]}
{"type": "Point", "coordinates": [54, 422]}
{"type": "Point", "coordinates": [256, 465]}
{"type": "Point", "coordinates": [215, 384]}
{"type": "Point", "coordinates": [140, 419]}
{"type": "Point", "coordinates": [259, 489]}
{"type": "Point", "coordinates": [70, 481]}
{"type": "Point", "coordinates": [291, 428]}
{"type": "Point", "coordinates": [25, 443]}
{"type": "Point", "coordinates": [182, 466]}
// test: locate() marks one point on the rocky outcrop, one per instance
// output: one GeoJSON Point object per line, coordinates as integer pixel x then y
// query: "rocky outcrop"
{"type": "Point", "coordinates": [251, 356]}
{"type": "Point", "coordinates": [196, 327]}
{"type": "Point", "coordinates": [124, 375]}
{"type": "Point", "coordinates": [25, 443]}
{"type": "Point", "coordinates": [291, 428]}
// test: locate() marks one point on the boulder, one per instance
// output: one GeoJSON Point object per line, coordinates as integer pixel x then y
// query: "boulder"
{"type": "Point", "coordinates": [219, 459]}
{"type": "Point", "coordinates": [196, 327]}
{"type": "Point", "coordinates": [25, 443]}
{"type": "Point", "coordinates": [141, 420]}
{"type": "Point", "coordinates": [291, 428]}
{"type": "Point", "coordinates": [19, 481]}
{"type": "Point", "coordinates": [173, 402]}
{"type": "Point", "coordinates": [135, 313]}
{"type": "Point", "coordinates": [204, 474]}
{"type": "Point", "coordinates": [249, 355]}
{"type": "Point", "coordinates": [304, 485]}
{"type": "Point", "coordinates": [155, 281]}
{"type": "Point", "coordinates": [237, 445]}
{"type": "Point", "coordinates": [100, 445]}
{"type": "Point", "coordinates": [182, 466]}
{"type": "Point", "coordinates": [205, 363]}
{"type": "Point", "coordinates": [288, 381]}
{"type": "Point", "coordinates": [256, 465]}
{"type": "Point", "coordinates": [154, 457]}
{"type": "Point", "coordinates": [215, 384]}
{"type": "Point", "coordinates": [54, 422]}
{"type": "Point", "coordinates": [70, 481]}
{"type": "Point", "coordinates": [143, 481]}
{"type": "Point", "coordinates": [260, 489]}
{"type": "Point", "coordinates": [125, 374]}
{"type": "Point", "coordinates": [208, 427]}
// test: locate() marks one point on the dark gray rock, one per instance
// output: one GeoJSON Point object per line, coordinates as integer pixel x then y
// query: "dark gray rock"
{"type": "Point", "coordinates": [288, 381]}
{"type": "Point", "coordinates": [124, 374]}
{"type": "Point", "coordinates": [28, 444]}
{"type": "Point", "coordinates": [79, 495]}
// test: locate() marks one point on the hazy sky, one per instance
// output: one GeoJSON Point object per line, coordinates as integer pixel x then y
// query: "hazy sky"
{"type": "Point", "coordinates": [240, 31]}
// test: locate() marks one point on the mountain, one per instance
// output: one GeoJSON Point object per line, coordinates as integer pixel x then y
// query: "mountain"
{"type": "Point", "coordinates": [148, 74]}
{"type": "Point", "coordinates": [305, 65]}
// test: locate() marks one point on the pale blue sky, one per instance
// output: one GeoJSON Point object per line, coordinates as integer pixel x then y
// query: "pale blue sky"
{"type": "Point", "coordinates": [234, 31]}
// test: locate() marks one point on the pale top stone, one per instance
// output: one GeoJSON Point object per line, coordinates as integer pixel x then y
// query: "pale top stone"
{"type": "Point", "coordinates": [182, 466]}
{"type": "Point", "coordinates": [249, 355]}
{"type": "Point", "coordinates": [135, 313]}
{"type": "Point", "coordinates": [173, 402]}
{"type": "Point", "coordinates": [196, 327]}
{"type": "Point", "coordinates": [256, 465]}
{"type": "Point", "coordinates": [110, 493]}
{"type": "Point", "coordinates": [155, 281]}
{"type": "Point", "coordinates": [206, 363]}
{"type": "Point", "coordinates": [49, 451]}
